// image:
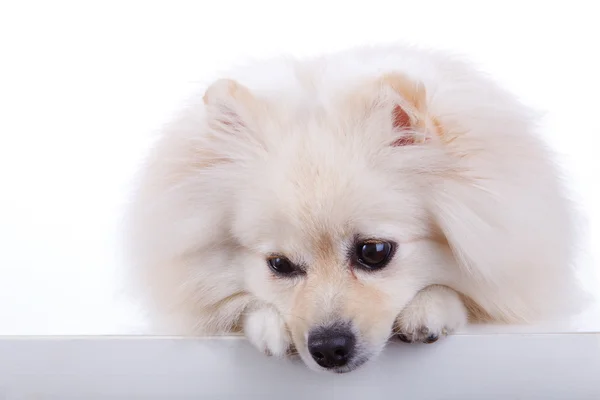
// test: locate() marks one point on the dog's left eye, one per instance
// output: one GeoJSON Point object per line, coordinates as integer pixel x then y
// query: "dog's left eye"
{"type": "Point", "coordinates": [282, 265]}
{"type": "Point", "coordinates": [374, 255]}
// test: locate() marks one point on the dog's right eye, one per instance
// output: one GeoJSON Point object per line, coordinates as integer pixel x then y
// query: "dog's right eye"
{"type": "Point", "coordinates": [282, 265]}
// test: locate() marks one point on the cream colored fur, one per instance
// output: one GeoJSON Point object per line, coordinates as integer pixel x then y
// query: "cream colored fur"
{"type": "Point", "coordinates": [297, 157]}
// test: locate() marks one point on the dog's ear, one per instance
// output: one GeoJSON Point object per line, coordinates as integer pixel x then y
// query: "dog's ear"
{"type": "Point", "coordinates": [233, 116]}
{"type": "Point", "coordinates": [400, 104]}
{"type": "Point", "coordinates": [229, 105]}
{"type": "Point", "coordinates": [409, 113]}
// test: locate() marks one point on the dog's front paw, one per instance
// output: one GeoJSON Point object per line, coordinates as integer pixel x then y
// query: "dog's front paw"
{"type": "Point", "coordinates": [266, 330]}
{"type": "Point", "coordinates": [434, 312]}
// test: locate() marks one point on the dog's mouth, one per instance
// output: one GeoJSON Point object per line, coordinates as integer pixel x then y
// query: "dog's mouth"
{"type": "Point", "coordinates": [351, 366]}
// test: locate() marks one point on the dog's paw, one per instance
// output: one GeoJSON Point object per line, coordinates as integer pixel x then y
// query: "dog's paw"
{"type": "Point", "coordinates": [434, 312]}
{"type": "Point", "coordinates": [266, 330]}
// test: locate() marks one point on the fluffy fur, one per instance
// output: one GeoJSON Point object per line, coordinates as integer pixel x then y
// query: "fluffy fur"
{"type": "Point", "coordinates": [298, 157]}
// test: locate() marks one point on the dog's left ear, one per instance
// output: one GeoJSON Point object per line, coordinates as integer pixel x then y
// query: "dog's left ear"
{"type": "Point", "coordinates": [409, 109]}
{"type": "Point", "coordinates": [399, 103]}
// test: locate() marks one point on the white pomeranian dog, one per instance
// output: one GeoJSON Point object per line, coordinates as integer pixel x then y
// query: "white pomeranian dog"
{"type": "Point", "coordinates": [326, 205]}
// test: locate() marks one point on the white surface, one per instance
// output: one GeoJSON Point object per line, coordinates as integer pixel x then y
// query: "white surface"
{"type": "Point", "coordinates": [84, 84]}
{"type": "Point", "coordinates": [485, 367]}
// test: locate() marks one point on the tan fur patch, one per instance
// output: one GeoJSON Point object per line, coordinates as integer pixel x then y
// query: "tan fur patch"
{"type": "Point", "coordinates": [365, 306]}
{"type": "Point", "coordinates": [324, 248]}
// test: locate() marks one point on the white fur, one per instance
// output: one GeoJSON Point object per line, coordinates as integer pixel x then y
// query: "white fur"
{"type": "Point", "coordinates": [287, 161]}
{"type": "Point", "coordinates": [435, 311]}
{"type": "Point", "coordinates": [265, 329]}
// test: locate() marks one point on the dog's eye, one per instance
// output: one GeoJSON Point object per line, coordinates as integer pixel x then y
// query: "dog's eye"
{"type": "Point", "coordinates": [374, 254]}
{"type": "Point", "coordinates": [282, 265]}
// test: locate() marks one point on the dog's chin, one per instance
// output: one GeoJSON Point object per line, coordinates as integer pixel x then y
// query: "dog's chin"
{"type": "Point", "coordinates": [356, 362]}
{"type": "Point", "coordinates": [351, 366]}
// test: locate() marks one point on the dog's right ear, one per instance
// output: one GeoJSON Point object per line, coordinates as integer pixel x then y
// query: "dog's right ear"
{"type": "Point", "coordinates": [230, 106]}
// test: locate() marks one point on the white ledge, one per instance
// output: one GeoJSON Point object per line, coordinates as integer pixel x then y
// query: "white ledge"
{"type": "Point", "coordinates": [476, 366]}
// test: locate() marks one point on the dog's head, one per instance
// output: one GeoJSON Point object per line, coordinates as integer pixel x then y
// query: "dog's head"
{"type": "Point", "coordinates": [329, 206]}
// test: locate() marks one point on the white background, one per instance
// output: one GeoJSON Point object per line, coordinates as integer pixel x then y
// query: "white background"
{"type": "Point", "coordinates": [83, 86]}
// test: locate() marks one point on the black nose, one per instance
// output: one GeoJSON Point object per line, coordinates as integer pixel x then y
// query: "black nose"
{"type": "Point", "coordinates": [332, 346]}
